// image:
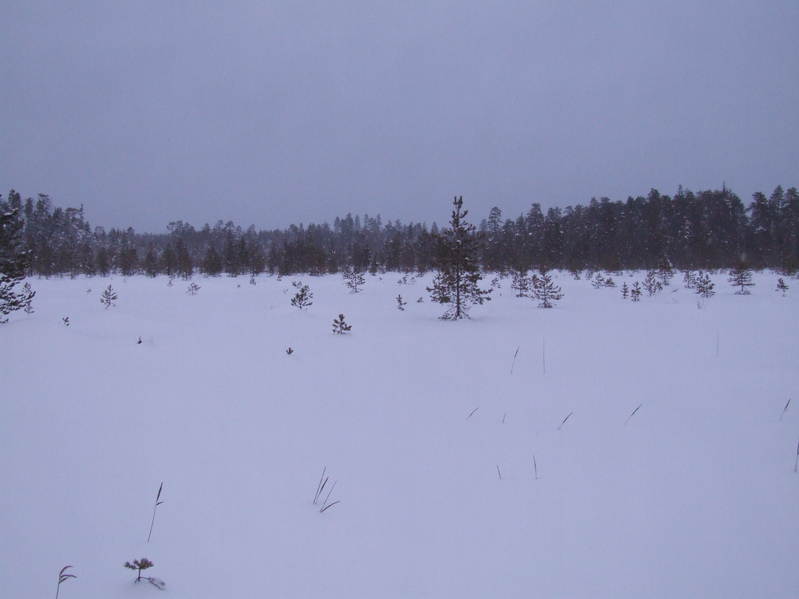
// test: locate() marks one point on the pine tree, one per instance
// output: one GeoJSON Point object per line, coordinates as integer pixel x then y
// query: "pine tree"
{"type": "Point", "coordinates": [456, 282]}
{"type": "Point", "coordinates": [704, 286]}
{"type": "Point", "coordinates": [635, 292]}
{"type": "Point", "coordinates": [339, 326]}
{"type": "Point", "coordinates": [521, 283]}
{"type": "Point", "coordinates": [625, 291]}
{"type": "Point", "coordinates": [353, 279]}
{"type": "Point", "coordinates": [108, 297]}
{"type": "Point", "coordinates": [741, 276]}
{"type": "Point", "coordinates": [302, 299]}
{"type": "Point", "coordinates": [545, 290]}
{"type": "Point", "coordinates": [781, 286]}
{"type": "Point", "coordinates": [13, 263]}
{"type": "Point", "coordinates": [651, 283]}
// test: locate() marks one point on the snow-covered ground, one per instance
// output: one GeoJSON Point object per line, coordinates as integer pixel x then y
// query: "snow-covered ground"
{"type": "Point", "coordinates": [456, 477]}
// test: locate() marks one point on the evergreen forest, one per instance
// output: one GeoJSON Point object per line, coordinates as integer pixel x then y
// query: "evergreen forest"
{"type": "Point", "coordinates": [707, 230]}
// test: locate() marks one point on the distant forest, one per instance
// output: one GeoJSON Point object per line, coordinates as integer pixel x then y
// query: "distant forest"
{"type": "Point", "coordinates": [708, 230]}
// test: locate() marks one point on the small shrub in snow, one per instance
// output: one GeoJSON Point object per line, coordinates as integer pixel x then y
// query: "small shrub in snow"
{"type": "Point", "coordinates": [302, 299]}
{"type": "Point", "coordinates": [108, 297]}
{"type": "Point", "coordinates": [65, 320]}
{"type": "Point", "coordinates": [339, 326]}
{"type": "Point", "coordinates": [400, 304]}
{"type": "Point", "coordinates": [781, 286]}
{"type": "Point", "coordinates": [170, 283]}
{"type": "Point", "coordinates": [689, 278]}
{"type": "Point", "coordinates": [193, 289]}
{"type": "Point", "coordinates": [635, 292]}
{"type": "Point", "coordinates": [609, 282]}
{"type": "Point", "coordinates": [62, 578]}
{"type": "Point", "coordinates": [625, 291]}
{"type": "Point", "coordinates": [420, 300]}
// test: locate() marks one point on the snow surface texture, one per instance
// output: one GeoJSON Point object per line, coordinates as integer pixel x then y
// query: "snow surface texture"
{"type": "Point", "coordinates": [695, 496]}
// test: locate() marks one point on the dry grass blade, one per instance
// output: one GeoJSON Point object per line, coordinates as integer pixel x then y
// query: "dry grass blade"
{"type": "Point", "coordinates": [499, 473]}
{"type": "Point", "coordinates": [514, 359]}
{"type": "Point", "coordinates": [157, 503]}
{"type": "Point", "coordinates": [320, 486]}
{"type": "Point", "coordinates": [564, 420]}
{"type": "Point", "coordinates": [797, 459]}
{"type": "Point", "coordinates": [322, 511]}
{"type": "Point", "coordinates": [633, 414]}
{"type": "Point", "coordinates": [535, 466]}
{"type": "Point", "coordinates": [785, 409]}
{"type": "Point", "coordinates": [472, 412]}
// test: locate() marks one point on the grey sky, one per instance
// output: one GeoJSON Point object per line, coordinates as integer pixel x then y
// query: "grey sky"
{"type": "Point", "coordinates": [272, 113]}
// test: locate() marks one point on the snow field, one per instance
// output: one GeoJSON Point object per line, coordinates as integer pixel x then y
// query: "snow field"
{"type": "Point", "coordinates": [694, 496]}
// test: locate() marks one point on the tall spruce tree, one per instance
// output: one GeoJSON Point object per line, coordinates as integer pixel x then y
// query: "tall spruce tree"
{"type": "Point", "coordinates": [456, 282]}
{"type": "Point", "coordinates": [13, 263]}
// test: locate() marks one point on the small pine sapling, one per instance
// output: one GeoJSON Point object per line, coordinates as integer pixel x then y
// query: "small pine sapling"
{"type": "Point", "coordinates": [353, 279]}
{"type": "Point", "coordinates": [139, 564]}
{"type": "Point", "coordinates": [651, 283]}
{"type": "Point", "coordinates": [28, 293]}
{"type": "Point", "coordinates": [781, 286]}
{"type": "Point", "coordinates": [302, 299]}
{"type": "Point", "coordinates": [63, 577]}
{"type": "Point", "coordinates": [625, 291]}
{"type": "Point", "coordinates": [703, 286]}
{"type": "Point", "coordinates": [609, 282]}
{"type": "Point", "coordinates": [635, 292]}
{"type": "Point", "coordinates": [520, 283]}
{"type": "Point", "coordinates": [108, 297]}
{"type": "Point", "coordinates": [339, 326]}
{"type": "Point", "coordinates": [65, 320]}
{"type": "Point", "coordinates": [545, 291]}
{"type": "Point", "coordinates": [157, 503]}
{"type": "Point", "coordinates": [741, 276]}
{"type": "Point", "coordinates": [401, 304]}
{"type": "Point", "coordinates": [193, 288]}
{"type": "Point", "coordinates": [598, 281]}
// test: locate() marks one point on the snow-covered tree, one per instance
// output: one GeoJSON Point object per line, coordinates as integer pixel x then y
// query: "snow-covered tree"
{"type": "Point", "coordinates": [13, 262]}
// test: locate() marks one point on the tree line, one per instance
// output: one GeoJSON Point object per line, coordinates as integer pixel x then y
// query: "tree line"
{"type": "Point", "coordinates": [708, 230]}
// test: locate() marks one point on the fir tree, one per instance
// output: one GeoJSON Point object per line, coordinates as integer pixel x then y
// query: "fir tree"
{"type": "Point", "coordinates": [741, 276]}
{"type": "Point", "coordinates": [401, 304]}
{"type": "Point", "coordinates": [625, 291]}
{"type": "Point", "coordinates": [545, 290]}
{"type": "Point", "coordinates": [456, 282]}
{"type": "Point", "coordinates": [781, 286]}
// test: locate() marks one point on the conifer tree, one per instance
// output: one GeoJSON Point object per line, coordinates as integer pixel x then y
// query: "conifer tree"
{"type": "Point", "coordinates": [545, 290]}
{"type": "Point", "coordinates": [456, 282]}
{"type": "Point", "coordinates": [13, 263]}
{"type": "Point", "coordinates": [741, 276]}
{"type": "Point", "coordinates": [635, 292]}
{"type": "Point", "coordinates": [704, 286]}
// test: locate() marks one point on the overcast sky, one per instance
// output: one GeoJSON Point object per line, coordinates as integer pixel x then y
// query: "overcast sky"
{"type": "Point", "coordinates": [273, 113]}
